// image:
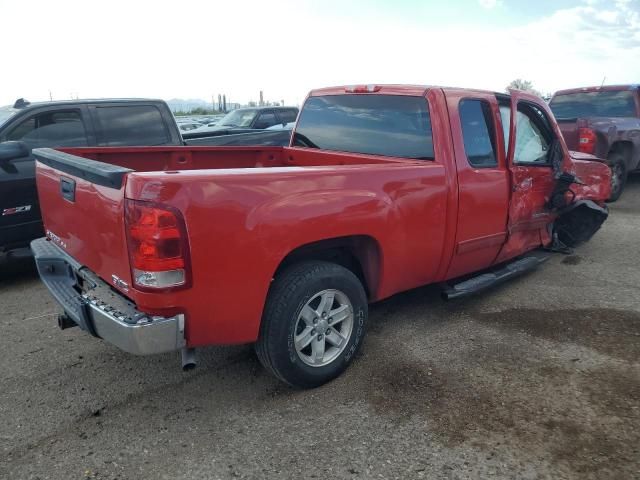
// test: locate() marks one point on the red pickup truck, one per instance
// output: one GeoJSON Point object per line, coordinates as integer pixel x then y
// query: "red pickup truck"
{"type": "Point", "coordinates": [604, 121]}
{"type": "Point", "coordinates": [383, 189]}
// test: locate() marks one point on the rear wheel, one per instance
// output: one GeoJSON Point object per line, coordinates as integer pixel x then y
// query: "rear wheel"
{"type": "Point", "coordinates": [618, 175]}
{"type": "Point", "coordinates": [313, 325]}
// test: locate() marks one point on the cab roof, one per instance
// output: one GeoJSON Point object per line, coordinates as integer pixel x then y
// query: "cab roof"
{"type": "Point", "coordinates": [602, 88]}
{"type": "Point", "coordinates": [21, 103]}
{"type": "Point", "coordinates": [389, 89]}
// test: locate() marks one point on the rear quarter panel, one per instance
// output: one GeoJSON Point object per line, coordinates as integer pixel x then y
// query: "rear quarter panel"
{"type": "Point", "coordinates": [242, 223]}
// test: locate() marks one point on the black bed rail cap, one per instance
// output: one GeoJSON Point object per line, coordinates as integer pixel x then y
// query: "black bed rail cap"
{"type": "Point", "coordinates": [93, 171]}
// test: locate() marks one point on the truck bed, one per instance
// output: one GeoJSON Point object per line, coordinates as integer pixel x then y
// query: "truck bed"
{"type": "Point", "coordinates": [244, 209]}
{"type": "Point", "coordinates": [149, 159]}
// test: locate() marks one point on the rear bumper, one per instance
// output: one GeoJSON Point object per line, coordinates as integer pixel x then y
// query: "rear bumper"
{"type": "Point", "coordinates": [96, 308]}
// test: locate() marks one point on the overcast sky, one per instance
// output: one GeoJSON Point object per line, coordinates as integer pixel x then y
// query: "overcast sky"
{"type": "Point", "coordinates": [196, 49]}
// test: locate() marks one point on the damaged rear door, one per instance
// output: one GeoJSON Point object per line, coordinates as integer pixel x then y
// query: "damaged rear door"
{"type": "Point", "coordinates": [532, 141]}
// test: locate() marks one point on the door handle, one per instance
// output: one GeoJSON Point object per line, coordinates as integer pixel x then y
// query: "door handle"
{"type": "Point", "coordinates": [68, 189]}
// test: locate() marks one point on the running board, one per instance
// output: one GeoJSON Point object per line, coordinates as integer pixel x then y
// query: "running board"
{"type": "Point", "coordinates": [495, 276]}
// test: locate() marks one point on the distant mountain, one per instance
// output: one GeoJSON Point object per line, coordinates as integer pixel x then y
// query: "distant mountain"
{"type": "Point", "coordinates": [183, 105]}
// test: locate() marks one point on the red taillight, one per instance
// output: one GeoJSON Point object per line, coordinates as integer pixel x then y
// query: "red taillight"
{"type": "Point", "coordinates": [586, 140]}
{"type": "Point", "coordinates": [158, 246]}
{"type": "Point", "coordinates": [363, 89]}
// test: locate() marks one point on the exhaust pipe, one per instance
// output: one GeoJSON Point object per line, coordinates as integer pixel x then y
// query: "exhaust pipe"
{"type": "Point", "coordinates": [188, 358]}
{"type": "Point", "coordinates": [64, 322]}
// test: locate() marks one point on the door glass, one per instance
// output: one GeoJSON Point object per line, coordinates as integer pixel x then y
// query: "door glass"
{"type": "Point", "coordinates": [51, 129]}
{"type": "Point", "coordinates": [533, 138]}
{"type": "Point", "coordinates": [478, 133]}
{"type": "Point", "coordinates": [131, 125]}
{"type": "Point", "coordinates": [287, 116]}
{"type": "Point", "coordinates": [266, 120]}
{"type": "Point", "coordinates": [505, 118]}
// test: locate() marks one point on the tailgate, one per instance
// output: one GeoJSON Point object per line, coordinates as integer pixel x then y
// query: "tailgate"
{"type": "Point", "coordinates": [82, 203]}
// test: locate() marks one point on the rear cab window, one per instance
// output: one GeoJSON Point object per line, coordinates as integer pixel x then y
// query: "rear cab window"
{"type": "Point", "coordinates": [130, 125]}
{"type": "Point", "coordinates": [386, 125]}
{"type": "Point", "coordinates": [594, 104]}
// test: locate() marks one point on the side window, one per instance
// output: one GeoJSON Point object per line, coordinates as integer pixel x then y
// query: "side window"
{"type": "Point", "coordinates": [287, 116]}
{"type": "Point", "coordinates": [130, 125]}
{"type": "Point", "coordinates": [533, 136]}
{"type": "Point", "coordinates": [51, 129]}
{"type": "Point", "coordinates": [505, 117]}
{"type": "Point", "coordinates": [478, 133]}
{"type": "Point", "coordinates": [27, 126]}
{"type": "Point", "coordinates": [266, 120]}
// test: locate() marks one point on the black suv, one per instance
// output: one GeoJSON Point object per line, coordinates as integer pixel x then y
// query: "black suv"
{"type": "Point", "coordinates": [76, 123]}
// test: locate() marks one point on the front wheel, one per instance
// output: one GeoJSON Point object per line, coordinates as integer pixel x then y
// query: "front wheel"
{"type": "Point", "coordinates": [313, 324]}
{"type": "Point", "coordinates": [618, 175]}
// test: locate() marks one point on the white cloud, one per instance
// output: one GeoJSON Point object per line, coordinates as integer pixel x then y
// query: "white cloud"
{"type": "Point", "coordinates": [582, 45]}
{"type": "Point", "coordinates": [489, 4]}
{"type": "Point", "coordinates": [286, 47]}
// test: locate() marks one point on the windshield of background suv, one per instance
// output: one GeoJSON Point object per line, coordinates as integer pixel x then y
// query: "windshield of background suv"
{"type": "Point", "coordinates": [594, 104]}
{"type": "Point", "coordinates": [6, 113]}
{"type": "Point", "coordinates": [238, 118]}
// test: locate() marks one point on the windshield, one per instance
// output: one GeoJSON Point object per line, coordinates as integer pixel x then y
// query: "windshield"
{"type": "Point", "coordinates": [238, 118]}
{"type": "Point", "coordinates": [6, 113]}
{"type": "Point", "coordinates": [594, 104]}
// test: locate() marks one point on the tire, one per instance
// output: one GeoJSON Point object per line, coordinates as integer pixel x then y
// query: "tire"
{"type": "Point", "coordinates": [292, 316]}
{"type": "Point", "coordinates": [618, 175]}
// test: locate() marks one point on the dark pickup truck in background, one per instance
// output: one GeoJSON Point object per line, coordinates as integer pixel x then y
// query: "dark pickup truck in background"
{"type": "Point", "coordinates": [74, 123]}
{"type": "Point", "coordinates": [83, 123]}
{"type": "Point", "coordinates": [603, 121]}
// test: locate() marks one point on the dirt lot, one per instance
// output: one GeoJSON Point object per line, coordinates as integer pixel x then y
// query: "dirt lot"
{"type": "Point", "coordinates": [539, 378]}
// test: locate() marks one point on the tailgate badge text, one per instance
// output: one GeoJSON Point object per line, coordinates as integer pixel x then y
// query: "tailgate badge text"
{"type": "Point", "coordinates": [121, 284]}
{"type": "Point", "coordinates": [56, 239]}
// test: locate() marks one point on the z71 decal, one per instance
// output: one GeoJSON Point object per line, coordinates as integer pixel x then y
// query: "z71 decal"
{"type": "Point", "coordinates": [14, 210]}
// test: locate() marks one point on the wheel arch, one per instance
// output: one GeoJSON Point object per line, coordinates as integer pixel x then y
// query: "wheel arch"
{"type": "Point", "coordinates": [623, 147]}
{"type": "Point", "coordinates": [360, 254]}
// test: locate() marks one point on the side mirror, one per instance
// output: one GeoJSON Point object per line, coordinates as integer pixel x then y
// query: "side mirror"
{"type": "Point", "coordinates": [12, 150]}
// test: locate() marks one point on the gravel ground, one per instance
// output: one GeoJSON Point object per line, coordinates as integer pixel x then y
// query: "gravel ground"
{"type": "Point", "coordinates": [539, 378]}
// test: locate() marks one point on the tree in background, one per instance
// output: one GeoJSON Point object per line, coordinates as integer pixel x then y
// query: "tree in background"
{"type": "Point", "coordinates": [524, 85]}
